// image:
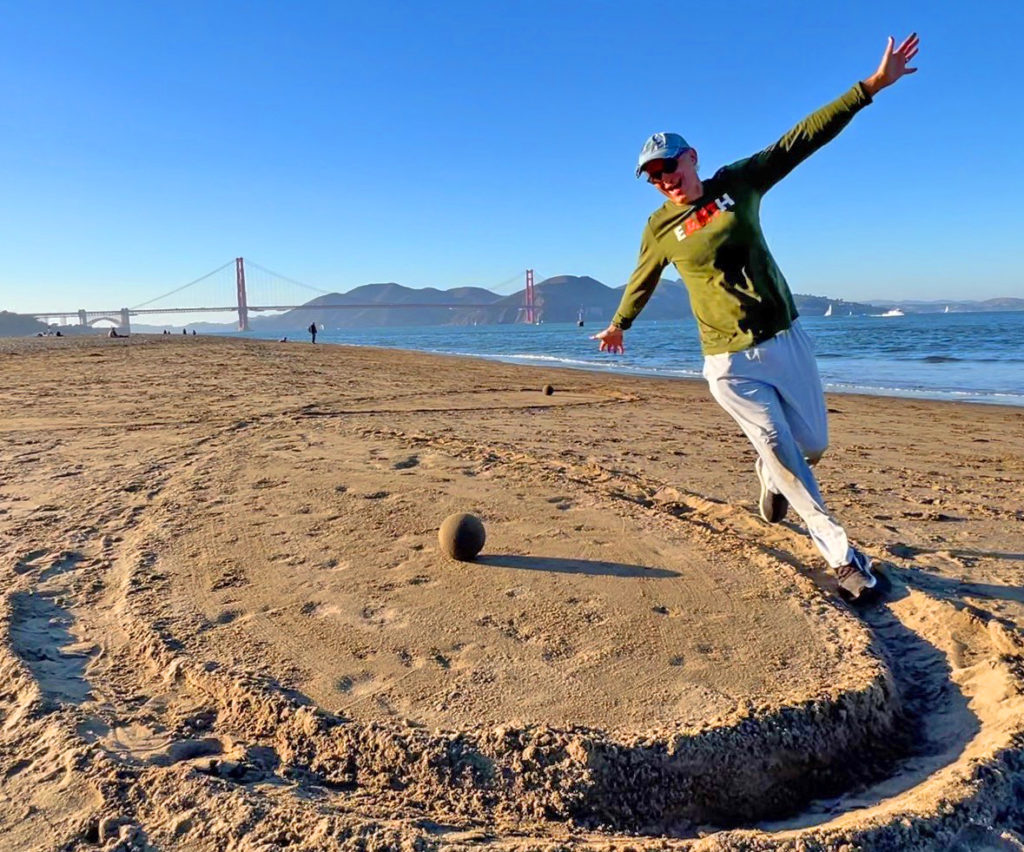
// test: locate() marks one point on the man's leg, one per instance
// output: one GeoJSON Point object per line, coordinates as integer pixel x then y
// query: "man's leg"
{"type": "Point", "coordinates": [787, 363]}
{"type": "Point", "coordinates": [798, 382]}
{"type": "Point", "coordinates": [758, 409]}
{"type": "Point", "coordinates": [810, 431]}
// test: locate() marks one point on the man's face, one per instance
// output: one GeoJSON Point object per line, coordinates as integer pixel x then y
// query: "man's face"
{"type": "Point", "coordinates": [680, 185]}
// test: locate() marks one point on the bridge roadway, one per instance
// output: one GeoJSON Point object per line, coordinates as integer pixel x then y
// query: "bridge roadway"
{"type": "Point", "coordinates": [233, 308]}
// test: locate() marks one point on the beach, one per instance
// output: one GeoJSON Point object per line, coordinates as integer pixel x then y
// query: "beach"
{"type": "Point", "coordinates": [227, 623]}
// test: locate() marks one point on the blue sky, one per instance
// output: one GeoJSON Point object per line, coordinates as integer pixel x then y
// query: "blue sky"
{"type": "Point", "coordinates": [455, 143]}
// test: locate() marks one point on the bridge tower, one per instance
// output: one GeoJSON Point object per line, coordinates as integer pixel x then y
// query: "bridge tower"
{"type": "Point", "coordinates": [528, 297]}
{"type": "Point", "coordinates": [126, 322]}
{"type": "Point", "coordinates": [83, 320]}
{"type": "Point", "coordinates": [243, 307]}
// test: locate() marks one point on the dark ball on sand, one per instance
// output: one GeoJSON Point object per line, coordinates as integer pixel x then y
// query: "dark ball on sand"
{"type": "Point", "coordinates": [462, 536]}
{"type": "Point", "coordinates": [548, 390]}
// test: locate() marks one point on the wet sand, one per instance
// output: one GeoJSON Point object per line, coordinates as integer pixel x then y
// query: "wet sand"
{"type": "Point", "coordinates": [227, 623]}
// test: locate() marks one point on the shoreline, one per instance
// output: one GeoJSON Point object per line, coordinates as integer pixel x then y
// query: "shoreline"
{"type": "Point", "coordinates": [896, 393]}
{"type": "Point", "coordinates": [994, 398]}
{"type": "Point", "coordinates": [1004, 398]}
{"type": "Point", "coordinates": [595, 372]}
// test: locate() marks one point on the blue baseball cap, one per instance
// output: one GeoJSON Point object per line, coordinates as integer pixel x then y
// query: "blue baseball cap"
{"type": "Point", "coordinates": [661, 146]}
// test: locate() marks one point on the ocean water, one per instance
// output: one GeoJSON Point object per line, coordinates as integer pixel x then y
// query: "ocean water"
{"type": "Point", "coordinates": [971, 357]}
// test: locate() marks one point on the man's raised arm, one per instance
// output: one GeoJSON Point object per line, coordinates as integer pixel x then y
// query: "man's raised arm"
{"type": "Point", "coordinates": [768, 167]}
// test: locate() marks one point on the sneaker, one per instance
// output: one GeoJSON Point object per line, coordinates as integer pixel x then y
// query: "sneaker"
{"type": "Point", "coordinates": [855, 576]}
{"type": "Point", "coordinates": [772, 505]}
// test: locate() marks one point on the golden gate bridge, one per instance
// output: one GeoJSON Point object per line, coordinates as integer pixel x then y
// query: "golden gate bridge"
{"type": "Point", "coordinates": [244, 305]}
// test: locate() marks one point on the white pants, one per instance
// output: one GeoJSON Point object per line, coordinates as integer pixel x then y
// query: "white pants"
{"type": "Point", "coordinates": [773, 391]}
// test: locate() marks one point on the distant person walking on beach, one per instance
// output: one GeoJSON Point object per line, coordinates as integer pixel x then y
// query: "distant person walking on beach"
{"type": "Point", "coordinates": [312, 331]}
{"type": "Point", "coordinates": [758, 361]}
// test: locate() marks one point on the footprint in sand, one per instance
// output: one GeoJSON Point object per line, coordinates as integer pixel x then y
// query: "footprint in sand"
{"type": "Point", "coordinates": [40, 636]}
{"type": "Point", "coordinates": [182, 750]}
{"type": "Point", "coordinates": [320, 610]}
{"type": "Point", "coordinates": [383, 616]}
{"type": "Point", "coordinates": [355, 685]}
{"type": "Point", "coordinates": [561, 503]}
{"type": "Point", "coordinates": [29, 561]}
{"type": "Point", "coordinates": [439, 658]}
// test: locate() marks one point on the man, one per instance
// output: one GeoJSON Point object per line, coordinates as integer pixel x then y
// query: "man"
{"type": "Point", "coordinates": [312, 331]}
{"type": "Point", "coordinates": [758, 361]}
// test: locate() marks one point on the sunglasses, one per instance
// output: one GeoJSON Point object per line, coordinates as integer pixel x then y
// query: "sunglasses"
{"type": "Point", "coordinates": [668, 166]}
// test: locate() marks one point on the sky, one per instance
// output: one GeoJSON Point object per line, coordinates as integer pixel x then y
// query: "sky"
{"type": "Point", "coordinates": [456, 143]}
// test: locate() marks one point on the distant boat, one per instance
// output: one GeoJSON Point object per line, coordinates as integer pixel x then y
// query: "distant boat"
{"type": "Point", "coordinates": [946, 311]}
{"type": "Point", "coordinates": [892, 312]}
{"type": "Point", "coordinates": [579, 318]}
{"type": "Point", "coordinates": [828, 310]}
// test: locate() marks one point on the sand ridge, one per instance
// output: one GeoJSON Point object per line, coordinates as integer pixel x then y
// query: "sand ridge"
{"type": "Point", "coordinates": [227, 623]}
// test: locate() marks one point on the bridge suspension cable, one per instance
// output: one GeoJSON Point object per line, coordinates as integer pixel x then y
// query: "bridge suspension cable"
{"type": "Point", "coordinates": [517, 277]}
{"type": "Point", "coordinates": [272, 277]}
{"type": "Point", "coordinates": [183, 286]}
{"type": "Point", "coordinates": [253, 265]}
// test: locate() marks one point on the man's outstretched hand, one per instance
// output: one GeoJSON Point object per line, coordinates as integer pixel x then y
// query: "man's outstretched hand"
{"type": "Point", "coordinates": [611, 340]}
{"type": "Point", "coordinates": [894, 64]}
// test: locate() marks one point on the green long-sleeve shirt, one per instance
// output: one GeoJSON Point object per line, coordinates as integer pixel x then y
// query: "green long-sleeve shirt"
{"type": "Point", "coordinates": [737, 292]}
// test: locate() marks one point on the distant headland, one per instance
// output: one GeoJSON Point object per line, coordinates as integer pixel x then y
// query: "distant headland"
{"type": "Point", "coordinates": [561, 299]}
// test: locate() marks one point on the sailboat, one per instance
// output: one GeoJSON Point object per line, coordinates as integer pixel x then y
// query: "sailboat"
{"type": "Point", "coordinates": [828, 310]}
{"type": "Point", "coordinates": [946, 311]}
{"type": "Point", "coordinates": [579, 318]}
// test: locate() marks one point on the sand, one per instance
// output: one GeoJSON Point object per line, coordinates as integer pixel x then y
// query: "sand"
{"type": "Point", "coordinates": [227, 624]}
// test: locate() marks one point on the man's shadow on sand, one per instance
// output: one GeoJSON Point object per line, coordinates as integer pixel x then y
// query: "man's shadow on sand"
{"type": "Point", "coordinates": [559, 565]}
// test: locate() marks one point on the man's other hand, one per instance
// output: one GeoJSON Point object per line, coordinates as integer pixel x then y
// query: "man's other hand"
{"type": "Point", "coordinates": [611, 340]}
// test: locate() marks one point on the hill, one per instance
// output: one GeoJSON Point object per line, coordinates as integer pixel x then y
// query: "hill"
{"type": "Point", "coordinates": [19, 325]}
{"type": "Point", "coordinates": [560, 299]}
{"type": "Point", "coordinates": [955, 306]}
{"type": "Point", "coordinates": [426, 306]}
